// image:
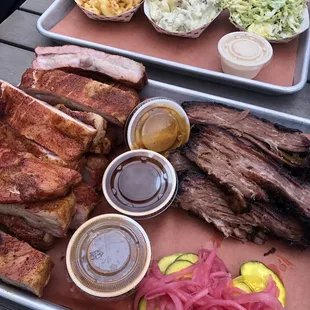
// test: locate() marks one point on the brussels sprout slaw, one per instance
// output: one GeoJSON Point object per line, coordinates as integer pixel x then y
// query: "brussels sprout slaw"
{"type": "Point", "coordinates": [271, 19]}
{"type": "Point", "coordinates": [183, 15]}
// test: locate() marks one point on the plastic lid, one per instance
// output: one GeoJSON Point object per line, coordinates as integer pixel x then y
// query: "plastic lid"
{"type": "Point", "coordinates": [108, 255]}
{"type": "Point", "coordinates": [157, 124]}
{"type": "Point", "coordinates": [246, 49]}
{"type": "Point", "coordinates": [140, 183]}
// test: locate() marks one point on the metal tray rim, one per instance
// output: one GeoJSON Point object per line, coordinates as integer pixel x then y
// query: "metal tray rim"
{"type": "Point", "coordinates": [22, 298]}
{"type": "Point", "coordinates": [265, 87]}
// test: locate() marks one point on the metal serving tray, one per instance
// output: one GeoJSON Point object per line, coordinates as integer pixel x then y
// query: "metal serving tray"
{"type": "Point", "coordinates": [154, 89]}
{"type": "Point", "coordinates": [60, 8]}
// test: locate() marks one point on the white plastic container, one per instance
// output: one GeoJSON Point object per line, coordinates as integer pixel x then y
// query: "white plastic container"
{"type": "Point", "coordinates": [244, 54]}
{"type": "Point", "coordinates": [108, 256]}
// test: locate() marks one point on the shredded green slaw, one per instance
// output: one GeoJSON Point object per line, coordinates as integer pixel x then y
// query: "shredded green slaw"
{"type": "Point", "coordinates": [271, 19]}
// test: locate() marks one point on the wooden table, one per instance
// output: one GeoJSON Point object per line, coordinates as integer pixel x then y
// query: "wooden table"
{"type": "Point", "coordinates": [19, 37]}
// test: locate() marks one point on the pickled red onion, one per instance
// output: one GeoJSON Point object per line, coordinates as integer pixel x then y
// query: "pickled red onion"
{"type": "Point", "coordinates": [209, 289]}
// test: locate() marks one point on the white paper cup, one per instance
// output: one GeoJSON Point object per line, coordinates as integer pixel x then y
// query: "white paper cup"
{"type": "Point", "coordinates": [191, 34]}
{"type": "Point", "coordinates": [244, 54]}
{"type": "Point", "coordinates": [304, 26]}
{"type": "Point", "coordinates": [123, 18]}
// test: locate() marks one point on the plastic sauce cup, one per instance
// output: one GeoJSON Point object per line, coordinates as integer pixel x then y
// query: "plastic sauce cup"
{"type": "Point", "coordinates": [158, 124]}
{"type": "Point", "coordinates": [140, 184]}
{"type": "Point", "coordinates": [108, 256]}
{"type": "Point", "coordinates": [244, 54]}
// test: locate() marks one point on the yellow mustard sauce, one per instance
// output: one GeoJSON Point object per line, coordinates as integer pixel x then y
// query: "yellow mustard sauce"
{"type": "Point", "coordinates": [161, 129]}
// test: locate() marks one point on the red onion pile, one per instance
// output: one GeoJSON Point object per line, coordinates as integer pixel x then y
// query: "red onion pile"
{"type": "Point", "coordinates": [209, 288]}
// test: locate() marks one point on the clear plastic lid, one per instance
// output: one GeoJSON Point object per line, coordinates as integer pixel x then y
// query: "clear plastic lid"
{"type": "Point", "coordinates": [246, 49]}
{"type": "Point", "coordinates": [108, 256]}
{"type": "Point", "coordinates": [157, 124]}
{"type": "Point", "coordinates": [140, 183]}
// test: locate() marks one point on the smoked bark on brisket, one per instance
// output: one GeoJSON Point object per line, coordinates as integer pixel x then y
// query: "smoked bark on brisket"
{"type": "Point", "coordinates": [286, 145]}
{"type": "Point", "coordinates": [246, 173]}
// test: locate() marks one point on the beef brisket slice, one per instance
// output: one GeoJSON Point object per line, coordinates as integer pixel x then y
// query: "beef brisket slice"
{"type": "Point", "coordinates": [288, 146]}
{"type": "Point", "coordinates": [246, 172]}
{"type": "Point", "coordinates": [110, 101]}
{"type": "Point", "coordinates": [200, 195]}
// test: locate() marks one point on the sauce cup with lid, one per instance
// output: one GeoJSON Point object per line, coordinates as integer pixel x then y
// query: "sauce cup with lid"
{"type": "Point", "coordinates": [158, 124]}
{"type": "Point", "coordinates": [108, 256]}
{"type": "Point", "coordinates": [140, 184]}
{"type": "Point", "coordinates": [244, 54]}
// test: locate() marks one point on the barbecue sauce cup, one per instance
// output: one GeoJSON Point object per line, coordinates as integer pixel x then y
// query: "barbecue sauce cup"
{"type": "Point", "coordinates": [108, 256]}
{"type": "Point", "coordinates": [157, 124]}
{"type": "Point", "coordinates": [140, 184]}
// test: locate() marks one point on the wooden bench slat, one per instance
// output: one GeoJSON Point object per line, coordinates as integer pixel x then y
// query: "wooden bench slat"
{"type": "Point", "coordinates": [36, 6]}
{"type": "Point", "coordinates": [13, 62]}
{"type": "Point", "coordinates": [20, 29]}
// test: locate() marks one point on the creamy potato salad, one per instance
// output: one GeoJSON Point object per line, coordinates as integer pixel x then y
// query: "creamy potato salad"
{"type": "Point", "coordinates": [183, 15]}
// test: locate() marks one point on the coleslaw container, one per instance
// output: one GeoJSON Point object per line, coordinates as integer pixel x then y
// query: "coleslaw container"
{"type": "Point", "coordinates": [108, 256]}
{"type": "Point", "coordinates": [140, 184]}
{"type": "Point", "coordinates": [304, 26]}
{"type": "Point", "coordinates": [244, 54]}
{"type": "Point", "coordinates": [124, 17]}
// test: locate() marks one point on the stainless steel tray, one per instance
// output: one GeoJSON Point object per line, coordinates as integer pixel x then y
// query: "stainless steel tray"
{"type": "Point", "coordinates": [178, 94]}
{"type": "Point", "coordinates": [60, 8]}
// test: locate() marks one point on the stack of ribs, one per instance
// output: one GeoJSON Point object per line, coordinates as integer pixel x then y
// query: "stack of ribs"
{"type": "Point", "coordinates": [242, 174]}
{"type": "Point", "coordinates": [57, 131]}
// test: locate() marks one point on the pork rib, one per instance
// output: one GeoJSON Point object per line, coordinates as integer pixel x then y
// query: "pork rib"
{"type": "Point", "coordinates": [20, 229]}
{"type": "Point", "coordinates": [36, 120]}
{"type": "Point", "coordinates": [94, 169]}
{"type": "Point", "coordinates": [79, 93]}
{"type": "Point", "coordinates": [124, 70]}
{"type": "Point", "coordinates": [24, 178]}
{"type": "Point", "coordinates": [53, 217]}
{"type": "Point", "coordinates": [11, 139]}
{"type": "Point", "coordinates": [245, 171]}
{"type": "Point", "coordinates": [86, 200]}
{"type": "Point", "coordinates": [23, 266]}
{"type": "Point", "coordinates": [288, 146]}
{"type": "Point", "coordinates": [98, 145]}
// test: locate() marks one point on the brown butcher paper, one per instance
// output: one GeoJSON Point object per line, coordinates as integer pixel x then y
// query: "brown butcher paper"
{"type": "Point", "coordinates": [175, 231]}
{"type": "Point", "coordinates": [139, 36]}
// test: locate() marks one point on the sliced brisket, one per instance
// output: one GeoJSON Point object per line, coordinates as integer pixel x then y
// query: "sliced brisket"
{"type": "Point", "coordinates": [200, 195]}
{"type": "Point", "coordinates": [286, 145]}
{"type": "Point", "coordinates": [246, 172]}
